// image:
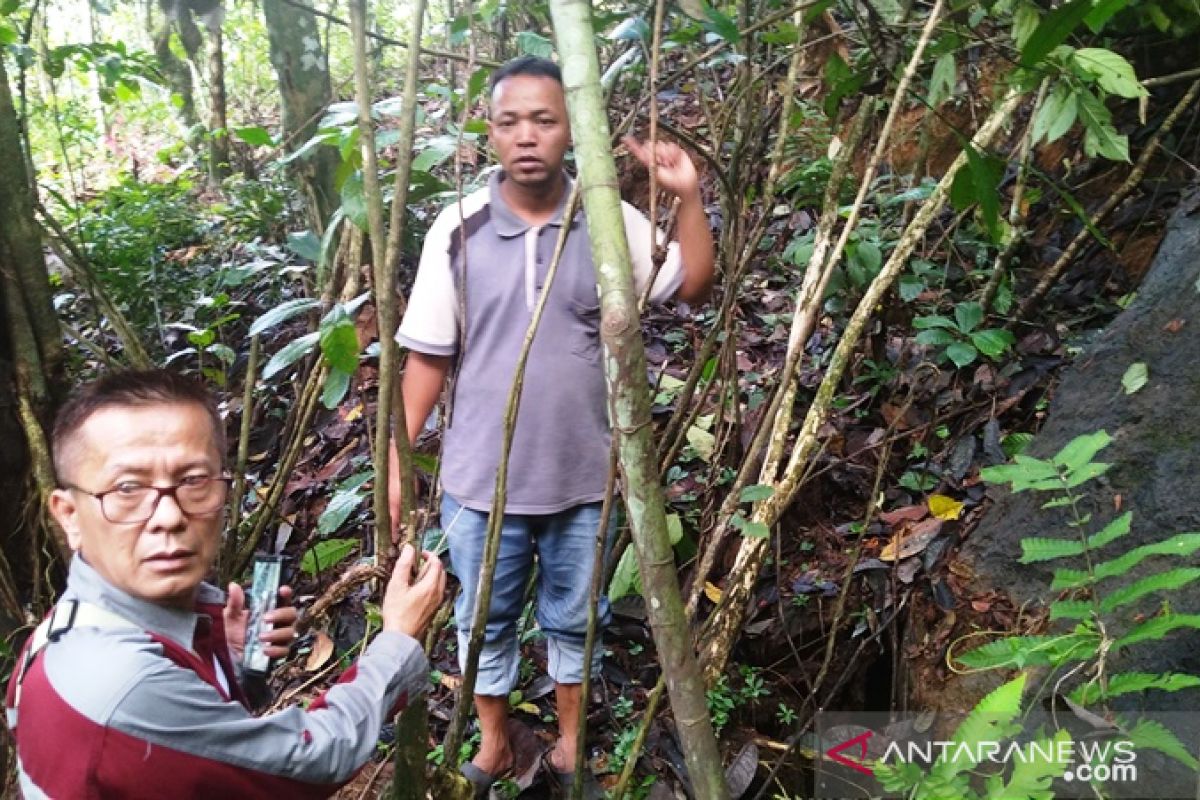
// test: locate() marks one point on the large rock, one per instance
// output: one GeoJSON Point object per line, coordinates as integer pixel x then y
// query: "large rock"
{"type": "Point", "coordinates": [1155, 450]}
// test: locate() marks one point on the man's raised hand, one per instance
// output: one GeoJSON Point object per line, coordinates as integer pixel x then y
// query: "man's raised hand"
{"type": "Point", "coordinates": [410, 603]}
{"type": "Point", "coordinates": [673, 167]}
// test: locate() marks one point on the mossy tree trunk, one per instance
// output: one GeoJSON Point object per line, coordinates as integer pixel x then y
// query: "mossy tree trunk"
{"type": "Point", "coordinates": [31, 361]}
{"type": "Point", "coordinates": [303, 71]}
{"type": "Point", "coordinates": [218, 123]}
{"type": "Point", "coordinates": [629, 397]}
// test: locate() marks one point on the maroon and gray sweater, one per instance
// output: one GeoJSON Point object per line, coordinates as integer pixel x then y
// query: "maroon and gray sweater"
{"type": "Point", "coordinates": [109, 711]}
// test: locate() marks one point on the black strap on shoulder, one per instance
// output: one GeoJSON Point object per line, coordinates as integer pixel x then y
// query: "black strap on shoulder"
{"type": "Point", "coordinates": [57, 626]}
{"type": "Point", "coordinates": [61, 620]}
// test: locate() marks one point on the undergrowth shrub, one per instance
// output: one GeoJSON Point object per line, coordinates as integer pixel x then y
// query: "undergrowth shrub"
{"type": "Point", "coordinates": [127, 232]}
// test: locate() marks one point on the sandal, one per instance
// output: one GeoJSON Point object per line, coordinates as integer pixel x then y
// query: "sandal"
{"type": "Point", "coordinates": [481, 782]}
{"type": "Point", "coordinates": [562, 782]}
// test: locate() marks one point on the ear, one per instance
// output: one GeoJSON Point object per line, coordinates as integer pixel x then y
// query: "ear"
{"type": "Point", "coordinates": [66, 514]}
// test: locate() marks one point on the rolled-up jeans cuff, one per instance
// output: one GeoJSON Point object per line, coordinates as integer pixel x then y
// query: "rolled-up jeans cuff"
{"type": "Point", "coordinates": [565, 659]}
{"type": "Point", "coordinates": [498, 666]}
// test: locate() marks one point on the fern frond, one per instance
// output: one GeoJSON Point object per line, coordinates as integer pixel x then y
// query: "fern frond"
{"type": "Point", "coordinates": [1033, 651]}
{"type": "Point", "coordinates": [1154, 735]}
{"type": "Point", "coordinates": [1011, 651]}
{"type": "Point", "coordinates": [1070, 579]}
{"type": "Point", "coordinates": [1035, 549]}
{"type": "Point", "coordinates": [1164, 581]}
{"type": "Point", "coordinates": [1110, 532]}
{"type": "Point", "coordinates": [1080, 450]}
{"type": "Point", "coordinates": [1157, 628]}
{"type": "Point", "coordinates": [1070, 609]}
{"type": "Point", "coordinates": [990, 720]}
{"type": "Point", "coordinates": [1032, 778]}
{"type": "Point", "coordinates": [1085, 473]}
{"type": "Point", "coordinates": [1181, 544]}
{"type": "Point", "coordinates": [1129, 682]}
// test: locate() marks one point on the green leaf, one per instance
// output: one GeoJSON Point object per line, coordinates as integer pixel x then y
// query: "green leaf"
{"type": "Point", "coordinates": [224, 352]}
{"type": "Point", "coordinates": [1025, 21]}
{"type": "Point", "coordinates": [438, 151]}
{"type": "Point", "coordinates": [756, 492]}
{"type": "Point", "coordinates": [1100, 138]}
{"type": "Point", "coordinates": [1135, 377]}
{"type": "Point", "coordinates": [702, 442]}
{"type": "Point", "coordinates": [305, 244]}
{"type": "Point", "coordinates": [1181, 544]}
{"type": "Point", "coordinates": [1162, 582]}
{"type": "Point", "coordinates": [477, 82]}
{"type": "Point", "coordinates": [337, 383]}
{"type": "Point", "coordinates": [933, 321]}
{"type": "Point", "coordinates": [993, 342]}
{"type": "Point", "coordinates": [753, 529]}
{"type": "Point", "coordinates": [282, 313]}
{"type": "Point", "coordinates": [1053, 30]}
{"type": "Point", "coordinates": [339, 340]}
{"type": "Point", "coordinates": [1034, 550]}
{"type": "Point", "coordinates": [627, 578]}
{"type": "Point", "coordinates": [910, 288]}
{"type": "Point", "coordinates": [8, 34]}
{"type": "Point", "coordinates": [326, 553]}
{"type": "Point", "coordinates": [1081, 450]}
{"type": "Point", "coordinates": [342, 504]}
{"type": "Point", "coordinates": [1152, 734]}
{"type": "Point", "coordinates": [1033, 777]}
{"type": "Point", "coordinates": [721, 25]}
{"type": "Point", "coordinates": [674, 529]}
{"type": "Point", "coordinates": [1114, 74]}
{"type": "Point", "coordinates": [968, 316]}
{"type": "Point", "coordinates": [533, 44]}
{"type": "Point", "coordinates": [961, 354]}
{"type": "Point", "coordinates": [1157, 628]}
{"type": "Point", "coordinates": [1085, 473]}
{"type": "Point", "coordinates": [841, 81]}
{"type": "Point", "coordinates": [1102, 12]}
{"type": "Point", "coordinates": [990, 720]}
{"type": "Point", "coordinates": [1111, 532]}
{"type": "Point", "coordinates": [1011, 651]}
{"type": "Point", "coordinates": [1056, 115]}
{"type": "Point", "coordinates": [354, 201]}
{"type": "Point", "coordinates": [935, 337]}
{"type": "Point", "coordinates": [292, 352]}
{"type": "Point", "coordinates": [942, 80]}
{"type": "Point", "coordinates": [1129, 682]}
{"type": "Point", "coordinates": [986, 172]}
{"type": "Point", "coordinates": [1070, 609]}
{"type": "Point", "coordinates": [1015, 443]}
{"type": "Point", "coordinates": [255, 136]}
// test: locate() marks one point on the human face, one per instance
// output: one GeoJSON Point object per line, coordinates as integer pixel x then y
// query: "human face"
{"type": "Point", "coordinates": [528, 128]}
{"type": "Point", "coordinates": [164, 559]}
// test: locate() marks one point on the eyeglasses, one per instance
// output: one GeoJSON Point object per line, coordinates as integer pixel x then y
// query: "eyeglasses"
{"type": "Point", "coordinates": [132, 503]}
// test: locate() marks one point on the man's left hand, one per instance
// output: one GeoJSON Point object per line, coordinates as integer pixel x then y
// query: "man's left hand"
{"type": "Point", "coordinates": [278, 629]}
{"type": "Point", "coordinates": [673, 168]}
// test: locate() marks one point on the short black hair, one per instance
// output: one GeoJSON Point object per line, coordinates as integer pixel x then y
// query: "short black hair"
{"type": "Point", "coordinates": [525, 65]}
{"type": "Point", "coordinates": [130, 388]}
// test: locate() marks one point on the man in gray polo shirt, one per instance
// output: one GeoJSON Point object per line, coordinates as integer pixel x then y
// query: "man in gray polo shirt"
{"type": "Point", "coordinates": [473, 303]}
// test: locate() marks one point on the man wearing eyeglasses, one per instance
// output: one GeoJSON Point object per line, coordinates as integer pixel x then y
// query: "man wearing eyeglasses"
{"type": "Point", "coordinates": [131, 688]}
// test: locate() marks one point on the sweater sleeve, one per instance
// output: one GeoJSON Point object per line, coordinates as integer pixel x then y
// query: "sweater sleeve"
{"type": "Point", "coordinates": [173, 710]}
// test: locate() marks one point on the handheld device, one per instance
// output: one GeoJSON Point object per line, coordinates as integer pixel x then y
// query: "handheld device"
{"type": "Point", "coordinates": [264, 593]}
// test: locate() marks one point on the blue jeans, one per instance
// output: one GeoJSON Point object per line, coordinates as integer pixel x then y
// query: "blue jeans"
{"type": "Point", "coordinates": [565, 546]}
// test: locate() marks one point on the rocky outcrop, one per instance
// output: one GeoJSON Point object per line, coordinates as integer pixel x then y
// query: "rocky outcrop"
{"type": "Point", "coordinates": [1155, 450]}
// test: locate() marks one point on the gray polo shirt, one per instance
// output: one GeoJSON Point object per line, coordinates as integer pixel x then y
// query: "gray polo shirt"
{"type": "Point", "coordinates": [560, 446]}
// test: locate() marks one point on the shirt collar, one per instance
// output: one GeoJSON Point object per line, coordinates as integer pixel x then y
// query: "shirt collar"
{"type": "Point", "coordinates": [86, 584]}
{"type": "Point", "coordinates": [508, 223]}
